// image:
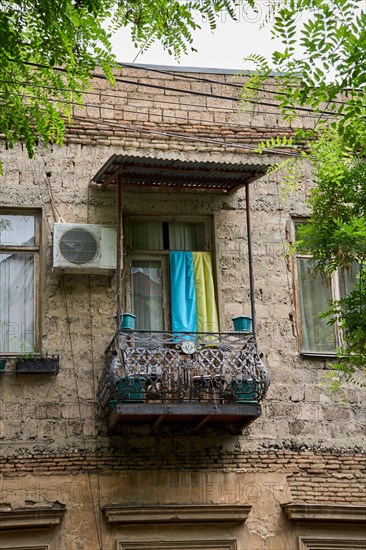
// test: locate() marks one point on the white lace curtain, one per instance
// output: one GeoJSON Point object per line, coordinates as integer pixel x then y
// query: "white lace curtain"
{"type": "Point", "coordinates": [17, 302]}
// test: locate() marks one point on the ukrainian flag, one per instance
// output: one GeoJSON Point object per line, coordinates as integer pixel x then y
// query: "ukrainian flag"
{"type": "Point", "coordinates": [193, 302]}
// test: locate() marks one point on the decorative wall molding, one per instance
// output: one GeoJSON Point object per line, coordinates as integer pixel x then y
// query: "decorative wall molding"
{"type": "Point", "coordinates": [30, 518]}
{"type": "Point", "coordinates": [180, 545]}
{"type": "Point", "coordinates": [312, 543]}
{"type": "Point", "coordinates": [343, 513]}
{"type": "Point", "coordinates": [172, 514]}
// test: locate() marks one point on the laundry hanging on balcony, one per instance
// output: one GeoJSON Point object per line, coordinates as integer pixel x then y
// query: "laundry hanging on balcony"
{"type": "Point", "coordinates": [192, 292]}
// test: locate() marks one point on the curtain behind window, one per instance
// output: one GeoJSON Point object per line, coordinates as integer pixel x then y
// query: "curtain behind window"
{"type": "Point", "coordinates": [17, 302]}
{"type": "Point", "coordinates": [315, 295]}
{"type": "Point", "coordinates": [147, 235]}
{"type": "Point", "coordinates": [348, 279]}
{"type": "Point", "coordinates": [186, 236]}
{"type": "Point", "coordinates": [147, 294]}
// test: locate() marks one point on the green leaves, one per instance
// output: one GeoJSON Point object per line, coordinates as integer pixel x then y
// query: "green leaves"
{"type": "Point", "coordinates": [330, 75]}
{"type": "Point", "coordinates": [336, 234]}
{"type": "Point", "coordinates": [328, 78]}
{"type": "Point", "coordinates": [274, 143]}
{"type": "Point", "coordinates": [39, 36]}
{"type": "Point", "coordinates": [336, 238]}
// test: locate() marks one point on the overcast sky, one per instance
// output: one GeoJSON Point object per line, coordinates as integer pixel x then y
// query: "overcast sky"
{"type": "Point", "coordinates": [223, 48]}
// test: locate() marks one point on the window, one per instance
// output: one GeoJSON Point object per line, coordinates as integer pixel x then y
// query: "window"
{"type": "Point", "coordinates": [169, 275]}
{"type": "Point", "coordinates": [313, 295]}
{"type": "Point", "coordinates": [19, 251]}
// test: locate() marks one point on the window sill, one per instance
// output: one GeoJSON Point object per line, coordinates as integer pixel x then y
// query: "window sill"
{"type": "Point", "coordinates": [318, 355]}
{"type": "Point", "coordinates": [36, 364]}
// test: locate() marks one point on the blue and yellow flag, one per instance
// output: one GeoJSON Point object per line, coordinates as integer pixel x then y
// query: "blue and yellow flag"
{"type": "Point", "coordinates": [193, 301]}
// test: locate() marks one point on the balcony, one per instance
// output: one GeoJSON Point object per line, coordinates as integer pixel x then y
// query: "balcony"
{"type": "Point", "coordinates": [192, 379]}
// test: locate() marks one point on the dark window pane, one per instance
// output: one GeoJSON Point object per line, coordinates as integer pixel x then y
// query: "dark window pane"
{"type": "Point", "coordinates": [147, 235]}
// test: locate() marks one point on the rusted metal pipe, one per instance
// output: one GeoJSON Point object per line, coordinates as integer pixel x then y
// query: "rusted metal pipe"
{"type": "Point", "coordinates": [250, 257]}
{"type": "Point", "coordinates": [119, 254]}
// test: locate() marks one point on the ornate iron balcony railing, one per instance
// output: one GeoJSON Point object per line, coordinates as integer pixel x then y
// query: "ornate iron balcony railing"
{"type": "Point", "coordinates": [166, 367]}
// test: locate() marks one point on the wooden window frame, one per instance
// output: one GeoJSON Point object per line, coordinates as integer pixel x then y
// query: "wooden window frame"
{"type": "Point", "coordinates": [334, 282]}
{"type": "Point", "coordinates": [35, 251]}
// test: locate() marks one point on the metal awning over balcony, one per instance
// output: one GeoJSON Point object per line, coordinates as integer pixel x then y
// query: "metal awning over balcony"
{"type": "Point", "coordinates": [220, 177]}
{"type": "Point", "coordinates": [191, 379]}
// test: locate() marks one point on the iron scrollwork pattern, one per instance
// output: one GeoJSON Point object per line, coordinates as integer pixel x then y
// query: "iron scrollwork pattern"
{"type": "Point", "coordinates": [145, 366]}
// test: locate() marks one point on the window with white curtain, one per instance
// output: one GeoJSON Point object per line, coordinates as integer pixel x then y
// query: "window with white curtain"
{"type": "Point", "coordinates": [314, 293]}
{"type": "Point", "coordinates": [148, 273]}
{"type": "Point", "coordinates": [19, 250]}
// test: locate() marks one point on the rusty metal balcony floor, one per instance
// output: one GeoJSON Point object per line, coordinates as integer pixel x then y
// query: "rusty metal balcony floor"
{"type": "Point", "coordinates": [193, 415]}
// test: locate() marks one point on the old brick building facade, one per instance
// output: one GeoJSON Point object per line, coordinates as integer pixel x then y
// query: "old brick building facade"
{"type": "Point", "coordinates": [76, 476]}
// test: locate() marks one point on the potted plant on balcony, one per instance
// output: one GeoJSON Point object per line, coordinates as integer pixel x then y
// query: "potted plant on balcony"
{"type": "Point", "coordinates": [244, 390]}
{"type": "Point", "coordinates": [131, 388]}
{"type": "Point", "coordinates": [126, 321]}
{"type": "Point", "coordinates": [243, 323]}
{"type": "Point", "coordinates": [32, 363]}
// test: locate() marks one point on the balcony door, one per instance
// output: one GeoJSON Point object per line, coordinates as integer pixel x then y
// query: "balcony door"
{"type": "Point", "coordinates": [170, 276]}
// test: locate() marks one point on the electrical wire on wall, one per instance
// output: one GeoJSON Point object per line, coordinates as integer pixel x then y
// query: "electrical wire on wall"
{"type": "Point", "coordinates": [189, 92]}
{"type": "Point", "coordinates": [95, 416]}
{"type": "Point", "coordinates": [154, 99]}
{"type": "Point", "coordinates": [142, 130]}
{"type": "Point", "coordinates": [205, 80]}
{"type": "Point", "coordinates": [68, 320]}
{"type": "Point", "coordinates": [52, 385]}
{"type": "Point", "coordinates": [56, 213]}
{"type": "Point", "coordinates": [285, 253]}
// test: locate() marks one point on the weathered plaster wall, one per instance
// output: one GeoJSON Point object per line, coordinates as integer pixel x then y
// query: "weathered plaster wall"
{"type": "Point", "coordinates": [305, 446]}
{"type": "Point", "coordinates": [266, 527]}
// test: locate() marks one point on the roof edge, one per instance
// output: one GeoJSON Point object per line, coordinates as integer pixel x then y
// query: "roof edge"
{"type": "Point", "coordinates": [189, 69]}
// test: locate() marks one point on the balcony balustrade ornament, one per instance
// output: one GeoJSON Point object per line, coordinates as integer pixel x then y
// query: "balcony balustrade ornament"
{"type": "Point", "coordinates": [166, 367]}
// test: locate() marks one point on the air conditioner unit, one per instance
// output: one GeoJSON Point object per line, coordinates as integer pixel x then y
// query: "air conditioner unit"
{"type": "Point", "coordinates": [84, 248]}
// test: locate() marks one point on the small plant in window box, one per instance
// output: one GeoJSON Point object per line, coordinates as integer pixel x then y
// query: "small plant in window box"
{"type": "Point", "coordinates": [37, 364]}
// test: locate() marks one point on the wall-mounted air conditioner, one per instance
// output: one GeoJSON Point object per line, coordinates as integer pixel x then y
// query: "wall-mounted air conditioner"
{"type": "Point", "coordinates": [84, 248]}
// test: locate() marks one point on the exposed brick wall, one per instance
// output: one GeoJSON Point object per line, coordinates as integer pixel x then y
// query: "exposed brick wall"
{"type": "Point", "coordinates": [337, 476]}
{"type": "Point", "coordinates": [129, 114]}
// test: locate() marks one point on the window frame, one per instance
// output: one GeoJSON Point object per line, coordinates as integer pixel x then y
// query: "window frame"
{"type": "Point", "coordinates": [165, 282]}
{"type": "Point", "coordinates": [35, 250]}
{"type": "Point", "coordinates": [150, 254]}
{"type": "Point", "coordinates": [335, 295]}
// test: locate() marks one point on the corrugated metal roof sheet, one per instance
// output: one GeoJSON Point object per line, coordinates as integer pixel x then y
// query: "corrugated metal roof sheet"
{"type": "Point", "coordinates": [157, 172]}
